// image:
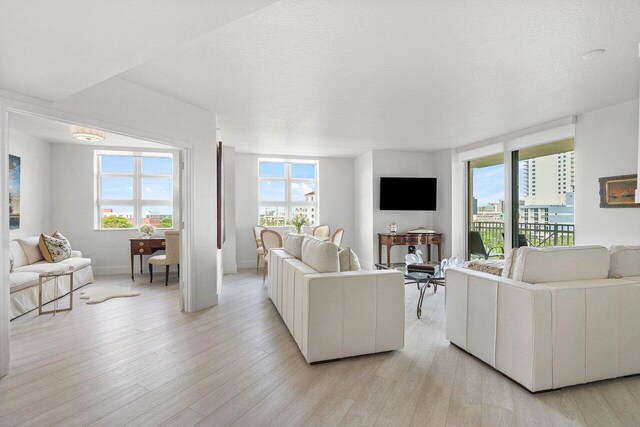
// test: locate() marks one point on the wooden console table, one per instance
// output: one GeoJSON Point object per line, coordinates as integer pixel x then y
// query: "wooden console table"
{"type": "Point", "coordinates": [141, 246]}
{"type": "Point", "coordinates": [395, 239]}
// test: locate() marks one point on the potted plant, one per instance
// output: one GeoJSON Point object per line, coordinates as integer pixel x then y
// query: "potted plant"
{"type": "Point", "coordinates": [147, 230]}
{"type": "Point", "coordinates": [299, 221]}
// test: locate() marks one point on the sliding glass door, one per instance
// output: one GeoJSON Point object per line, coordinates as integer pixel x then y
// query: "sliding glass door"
{"type": "Point", "coordinates": [486, 213]}
{"type": "Point", "coordinates": [545, 189]}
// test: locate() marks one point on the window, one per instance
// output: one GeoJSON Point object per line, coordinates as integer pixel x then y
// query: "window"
{"type": "Point", "coordinates": [287, 188]}
{"type": "Point", "coordinates": [133, 189]}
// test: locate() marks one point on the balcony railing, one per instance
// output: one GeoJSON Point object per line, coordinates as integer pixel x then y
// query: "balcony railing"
{"type": "Point", "coordinates": [536, 234]}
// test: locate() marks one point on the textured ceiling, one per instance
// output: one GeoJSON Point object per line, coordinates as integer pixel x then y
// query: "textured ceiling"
{"type": "Point", "coordinates": [338, 77]}
{"type": "Point", "coordinates": [335, 77]}
{"type": "Point", "coordinates": [52, 49]}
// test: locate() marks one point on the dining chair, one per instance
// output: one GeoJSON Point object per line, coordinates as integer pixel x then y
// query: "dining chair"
{"type": "Point", "coordinates": [259, 249]}
{"type": "Point", "coordinates": [270, 239]}
{"type": "Point", "coordinates": [321, 232]}
{"type": "Point", "coordinates": [337, 236]}
{"type": "Point", "coordinates": [171, 256]}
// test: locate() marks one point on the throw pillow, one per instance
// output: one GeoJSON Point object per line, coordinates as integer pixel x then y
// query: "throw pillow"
{"type": "Point", "coordinates": [292, 244]}
{"type": "Point", "coordinates": [348, 260]}
{"type": "Point", "coordinates": [509, 261]}
{"type": "Point", "coordinates": [54, 248]}
{"type": "Point", "coordinates": [10, 262]}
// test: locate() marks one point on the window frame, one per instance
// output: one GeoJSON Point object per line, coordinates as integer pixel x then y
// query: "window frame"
{"type": "Point", "coordinates": [289, 205]}
{"type": "Point", "coordinates": [136, 202]}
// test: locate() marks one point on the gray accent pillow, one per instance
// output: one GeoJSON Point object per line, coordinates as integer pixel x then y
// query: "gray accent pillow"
{"type": "Point", "coordinates": [11, 262]}
{"type": "Point", "coordinates": [348, 260]}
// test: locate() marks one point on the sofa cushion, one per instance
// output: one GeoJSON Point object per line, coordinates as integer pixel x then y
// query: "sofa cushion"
{"type": "Point", "coordinates": [43, 267]}
{"type": "Point", "coordinates": [509, 261]}
{"type": "Point", "coordinates": [22, 280]}
{"type": "Point", "coordinates": [292, 243]}
{"type": "Point", "coordinates": [19, 257]}
{"type": "Point", "coordinates": [561, 264]}
{"type": "Point", "coordinates": [319, 255]}
{"type": "Point", "coordinates": [77, 263]}
{"type": "Point", "coordinates": [625, 261]}
{"type": "Point", "coordinates": [348, 260]}
{"type": "Point", "coordinates": [31, 249]}
{"type": "Point", "coordinates": [54, 248]}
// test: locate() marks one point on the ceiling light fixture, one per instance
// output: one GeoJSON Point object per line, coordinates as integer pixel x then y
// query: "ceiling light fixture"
{"type": "Point", "coordinates": [593, 53]}
{"type": "Point", "coordinates": [87, 134]}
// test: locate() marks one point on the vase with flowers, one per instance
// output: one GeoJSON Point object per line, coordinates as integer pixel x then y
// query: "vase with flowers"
{"type": "Point", "coordinates": [147, 230]}
{"type": "Point", "coordinates": [298, 221]}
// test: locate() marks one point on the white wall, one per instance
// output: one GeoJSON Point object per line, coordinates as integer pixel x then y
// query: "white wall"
{"type": "Point", "coordinates": [370, 220]}
{"type": "Point", "coordinates": [335, 191]}
{"type": "Point", "coordinates": [72, 211]}
{"type": "Point", "coordinates": [606, 145]}
{"type": "Point", "coordinates": [363, 208]}
{"type": "Point", "coordinates": [399, 163]}
{"type": "Point", "coordinates": [442, 217]}
{"type": "Point", "coordinates": [35, 187]}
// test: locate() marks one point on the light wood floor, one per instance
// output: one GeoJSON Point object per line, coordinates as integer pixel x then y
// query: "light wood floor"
{"type": "Point", "coordinates": [139, 361]}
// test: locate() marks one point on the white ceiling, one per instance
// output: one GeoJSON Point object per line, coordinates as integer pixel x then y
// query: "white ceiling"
{"type": "Point", "coordinates": [337, 77]}
{"type": "Point", "coordinates": [53, 49]}
{"type": "Point", "coordinates": [59, 133]}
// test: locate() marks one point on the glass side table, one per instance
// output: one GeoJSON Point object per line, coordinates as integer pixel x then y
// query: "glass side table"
{"type": "Point", "coordinates": [421, 279]}
{"type": "Point", "coordinates": [56, 280]}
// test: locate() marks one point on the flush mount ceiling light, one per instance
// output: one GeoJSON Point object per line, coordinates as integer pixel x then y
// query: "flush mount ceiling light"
{"type": "Point", "coordinates": [593, 54]}
{"type": "Point", "coordinates": [87, 134]}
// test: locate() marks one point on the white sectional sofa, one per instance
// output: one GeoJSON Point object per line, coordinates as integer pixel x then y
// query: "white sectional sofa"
{"type": "Point", "coordinates": [331, 314]}
{"type": "Point", "coordinates": [29, 264]}
{"type": "Point", "coordinates": [567, 316]}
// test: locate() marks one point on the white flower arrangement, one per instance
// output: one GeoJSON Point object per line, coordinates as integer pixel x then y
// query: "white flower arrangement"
{"type": "Point", "coordinates": [147, 229]}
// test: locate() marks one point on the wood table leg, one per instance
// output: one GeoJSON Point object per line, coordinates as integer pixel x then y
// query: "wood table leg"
{"type": "Point", "coordinates": [428, 252]}
{"type": "Point", "coordinates": [132, 264]}
{"type": "Point", "coordinates": [439, 251]}
{"type": "Point", "coordinates": [379, 251]}
{"type": "Point", "coordinates": [141, 272]}
{"type": "Point", "coordinates": [388, 254]}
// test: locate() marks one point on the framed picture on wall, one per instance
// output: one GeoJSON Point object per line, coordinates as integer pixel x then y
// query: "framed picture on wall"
{"type": "Point", "coordinates": [618, 191]}
{"type": "Point", "coordinates": [14, 192]}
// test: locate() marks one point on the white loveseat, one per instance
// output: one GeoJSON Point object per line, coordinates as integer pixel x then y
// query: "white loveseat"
{"type": "Point", "coordinates": [29, 264]}
{"type": "Point", "coordinates": [331, 314]}
{"type": "Point", "coordinates": [567, 316]}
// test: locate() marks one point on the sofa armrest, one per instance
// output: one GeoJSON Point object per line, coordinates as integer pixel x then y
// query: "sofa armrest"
{"type": "Point", "coordinates": [352, 313]}
{"type": "Point", "coordinates": [503, 322]}
{"type": "Point", "coordinates": [75, 254]}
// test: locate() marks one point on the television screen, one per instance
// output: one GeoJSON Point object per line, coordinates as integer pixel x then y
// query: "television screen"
{"type": "Point", "coordinates": [408, 194]}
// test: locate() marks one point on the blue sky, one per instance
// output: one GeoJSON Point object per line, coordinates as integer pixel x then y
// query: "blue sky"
{"type": "Point", "coordinates": [488, 183]}
{"type": "Point", "coordinates": [275, 190]}
{"type": "Point", "coordinates": [121, 188]}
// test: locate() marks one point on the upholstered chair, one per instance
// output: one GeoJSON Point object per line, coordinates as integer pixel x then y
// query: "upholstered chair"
{"type": "Point", "coordinates": [270, 240]}
{"type": "Point", "coordinates": [259, 249]}
{"type": "Point", "coordinates": [322, 232]}
{"type": "Point", "coordinates": [171, 256]}
{"type": "Point", "coordinates": [337, 236]}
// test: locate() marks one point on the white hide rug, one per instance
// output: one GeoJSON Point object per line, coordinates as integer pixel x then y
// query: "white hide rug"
{"type": "Point", "coordinates": [102, 293]}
